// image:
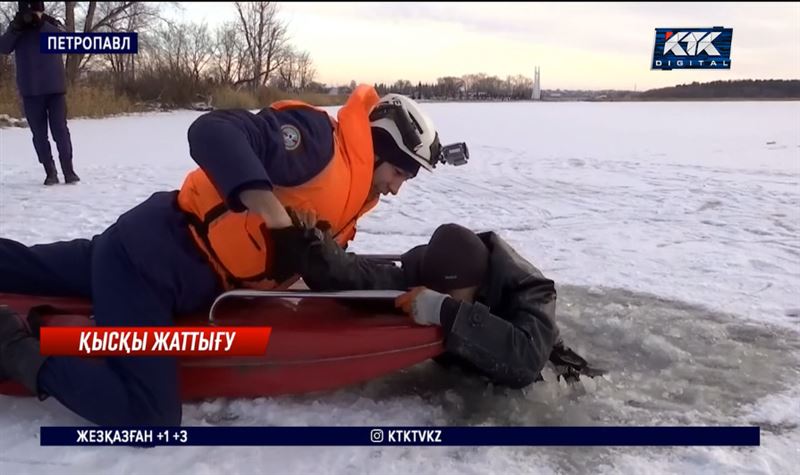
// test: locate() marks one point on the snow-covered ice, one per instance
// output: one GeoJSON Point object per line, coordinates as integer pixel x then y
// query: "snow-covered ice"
{"type": "Point", "coordinates": [671, 229]}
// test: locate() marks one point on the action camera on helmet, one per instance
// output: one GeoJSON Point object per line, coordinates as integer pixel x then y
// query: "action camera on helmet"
{"type": "Point", "coordinates": [454, 154]}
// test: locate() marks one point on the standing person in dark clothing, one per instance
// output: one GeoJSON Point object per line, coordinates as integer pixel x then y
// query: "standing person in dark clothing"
{"type": "Point", "coordinates": [497, 311]}
{"type": "Point", "coordinates": [42, 84]}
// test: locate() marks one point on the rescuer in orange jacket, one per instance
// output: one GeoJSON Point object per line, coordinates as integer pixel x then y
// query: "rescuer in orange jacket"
{"type": "Point", "coordinates": [230, 225]}
{"type": "Point", "coordinates": [308, 162]}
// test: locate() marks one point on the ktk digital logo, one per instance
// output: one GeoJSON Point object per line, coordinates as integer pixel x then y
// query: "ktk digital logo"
{"type": "Point", "coordinates": [692, 48]}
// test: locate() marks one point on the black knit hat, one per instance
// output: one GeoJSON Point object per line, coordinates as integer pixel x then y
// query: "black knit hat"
{"type": "Point", "coordinates": [455, 258]}
{"type": "Point", "coordinates": [30, 6]}
{"type": "Point", "coordinates": [387, 150]}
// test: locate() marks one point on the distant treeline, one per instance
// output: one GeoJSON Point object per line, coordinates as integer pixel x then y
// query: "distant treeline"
{"type": "Point", "coordinates": [484, 87]}
{"type": "Point", "coordinates": [739, 89]}
{"type": "Point", "coordinates": [468, 86]}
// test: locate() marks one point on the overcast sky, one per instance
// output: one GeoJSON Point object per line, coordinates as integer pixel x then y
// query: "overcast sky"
{"type": "Point", "coordinates": [577, 45]}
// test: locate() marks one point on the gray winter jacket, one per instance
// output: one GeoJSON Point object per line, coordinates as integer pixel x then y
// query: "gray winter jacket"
{"type": "Point", "coordinates": [507, 334]}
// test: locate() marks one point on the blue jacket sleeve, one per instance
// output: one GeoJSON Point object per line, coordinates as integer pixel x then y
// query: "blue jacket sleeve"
{"type": "Point", "coordinates": [240, 150]}
{"type": "Point", "coordinates": [9, 40]}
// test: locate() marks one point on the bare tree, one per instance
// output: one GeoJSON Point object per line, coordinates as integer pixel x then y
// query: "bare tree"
{"type": "Point", "coordinates": [7, 12]}
{"type": "Point", "coordinates": [520, 86]}
{"type": "Point", "coordinates": [296, 72]}
{"type": "Point", "coordinates": [265, 38]}
{"type": "Point", "coordinates": [199, 49]}
{"type": "Point", "coordinates": [469, 83]}
{"type": "Point", "coordinates": [123, 66]}
{"type": "Point", "coordinates": [450, 86]}
{"type": "Point", "coordinates": [287, 73]}
{"type": "Point", "coordinates": [226, 54]}
{"type": "Point", "coordinates": [91, 17]}
{"type": "Point", "coordinates": [402, 86]}
{"type": "Point", "coordinates": [489, 86]}
{"type": "Point", "coordinates": [172, 44]}
{"type": "Point", "coordinates": [305, 71]}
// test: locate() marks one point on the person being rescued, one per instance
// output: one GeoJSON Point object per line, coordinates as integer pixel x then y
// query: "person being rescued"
{"type": "Point", "coordinates": [227, 227]}
{"type": "Point", "coordinates": [496, 310]}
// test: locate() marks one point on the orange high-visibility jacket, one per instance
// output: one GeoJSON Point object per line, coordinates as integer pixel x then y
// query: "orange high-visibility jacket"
{"type": "Point", "coordinates": [238, 245]}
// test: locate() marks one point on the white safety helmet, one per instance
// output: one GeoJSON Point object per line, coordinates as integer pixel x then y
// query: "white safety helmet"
{"type": "Point", "coordinates": [402, 131]}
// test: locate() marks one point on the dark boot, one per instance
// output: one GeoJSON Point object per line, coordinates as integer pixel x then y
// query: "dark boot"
{"type": "Point", "coordinates": [52, 173]}
{"type": "Point", "coordinates": [69, 173]}
{"type": "Point", "coordinates": [20, 360]}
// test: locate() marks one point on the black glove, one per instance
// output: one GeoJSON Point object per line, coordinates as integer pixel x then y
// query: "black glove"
{"type": "Point", "coordinates": [570, 365]}
{"type": "Point", "coordinates": [290, 247]}
{"type": "Point", "coordinates": [25, 21]}
{"type": "Point", "coordinates": [18, 23]}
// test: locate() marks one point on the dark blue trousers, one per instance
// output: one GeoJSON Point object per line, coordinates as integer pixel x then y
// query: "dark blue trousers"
{"type": "Point", "coordinates": [52, 109]}
{"type": "Point", "coordinates": [107, 391]}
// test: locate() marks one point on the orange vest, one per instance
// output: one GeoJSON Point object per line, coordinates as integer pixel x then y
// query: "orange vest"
{"type": "Point", "coordinates": [237, 244]}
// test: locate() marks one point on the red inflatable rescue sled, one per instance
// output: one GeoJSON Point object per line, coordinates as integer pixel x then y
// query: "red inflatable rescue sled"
{"type": "Point", "coordinates": [319, 341]}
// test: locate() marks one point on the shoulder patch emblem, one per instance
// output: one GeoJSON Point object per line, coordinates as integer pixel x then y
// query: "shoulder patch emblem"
{"type": "Point", "coordinates": [291, 137]}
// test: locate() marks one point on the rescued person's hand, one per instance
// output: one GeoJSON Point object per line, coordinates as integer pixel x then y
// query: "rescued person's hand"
{"type": "Point", "coordinates": [422, 304]}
